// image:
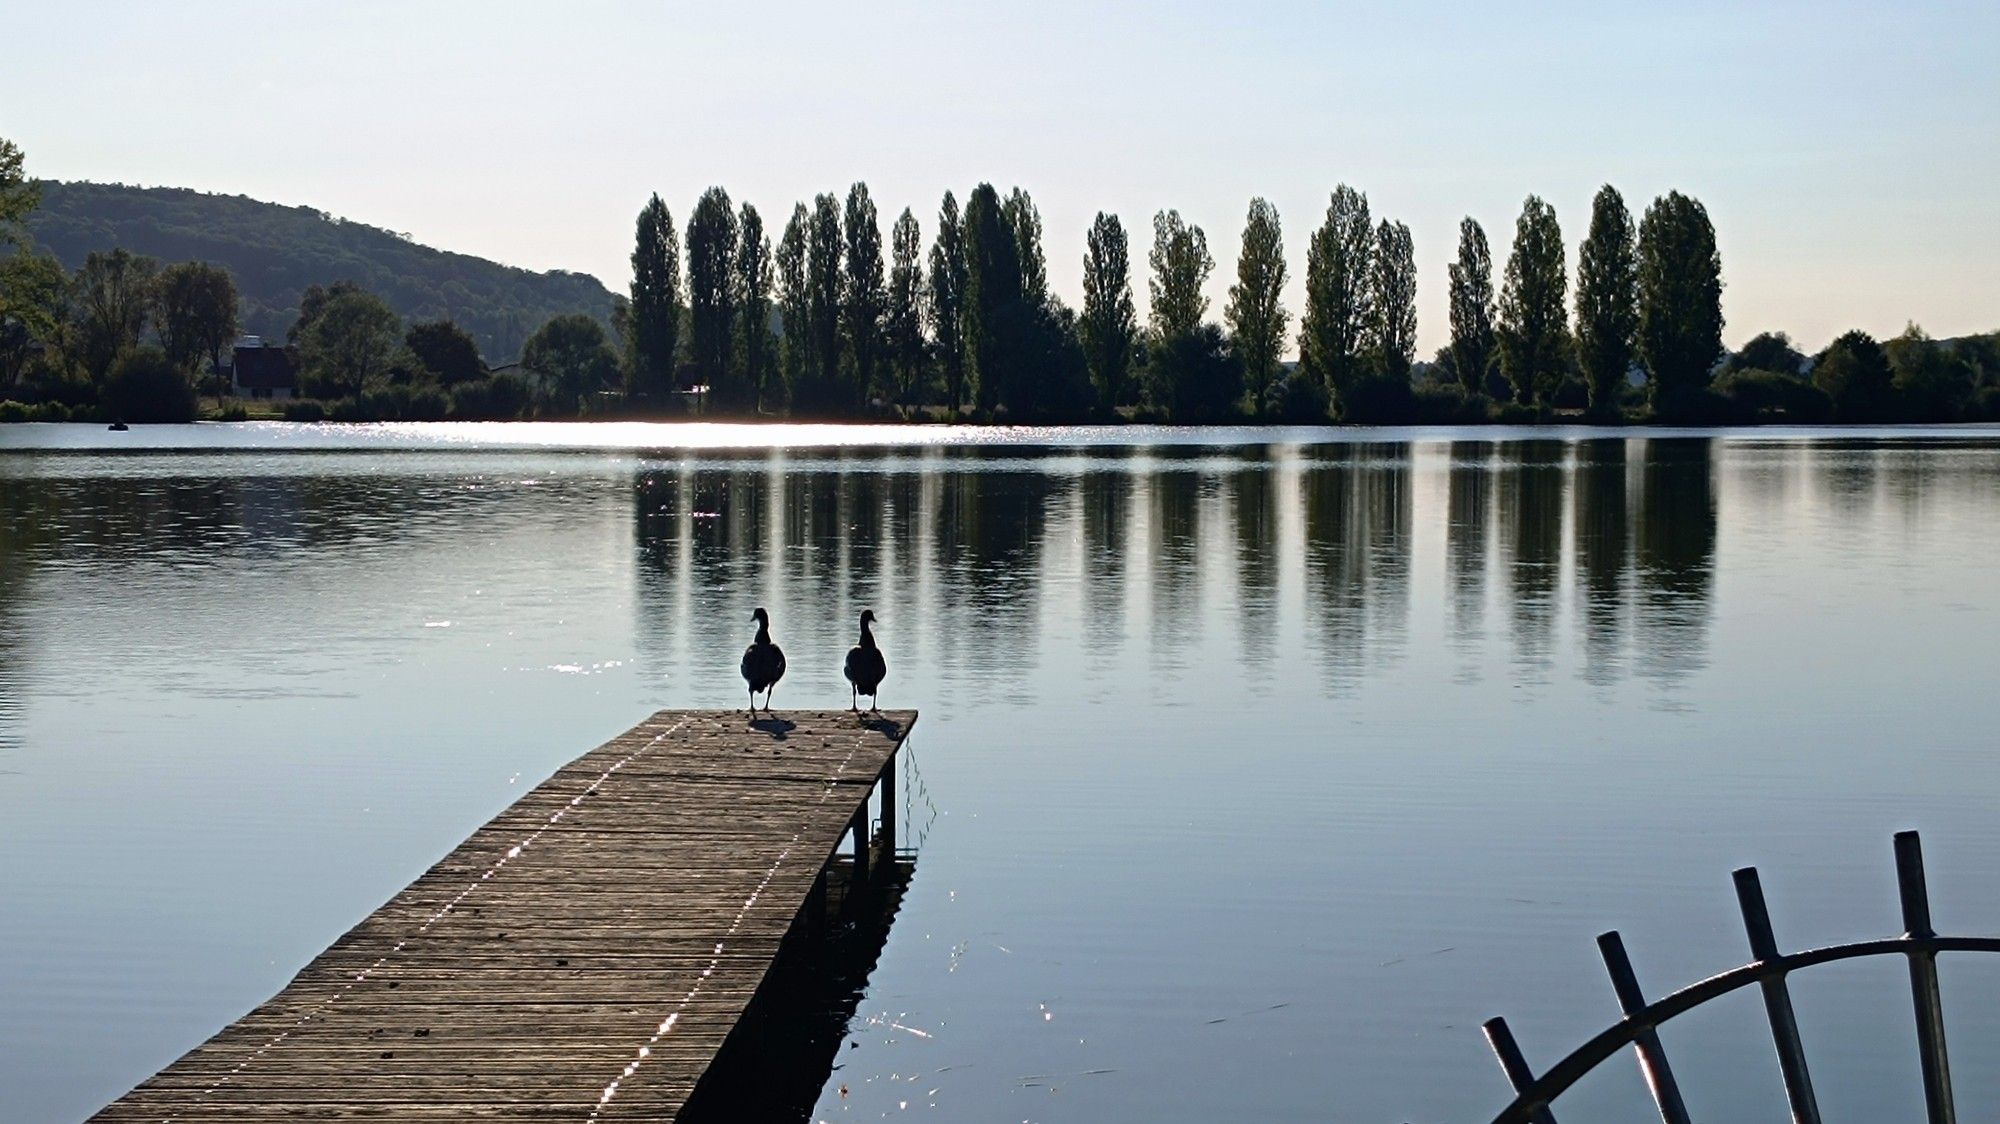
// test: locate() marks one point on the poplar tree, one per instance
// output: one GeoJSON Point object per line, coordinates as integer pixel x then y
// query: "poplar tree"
{"type": "Point", "coordinates": [1181, 265]}
{"type": "Point", "coordinates": [1607, 299]}
{"type": "Point", "coordinates": [752, 287]}
{"type": "Point", "coordinates": [711, 267]}
{"type": "Point", "coordinates": [656, 298]}
{"type": "Point", "coordinates": [1026, 223]}
{"type": "Point", "coordinates": [861, 293]}
{"type": "Point", "coordinates": [1680, 297]}
{"type": "Point", "coordinates": [823, 305]}
{"type": "Point", "coordinates": [1472, 307]}
{"type": "Point", "coordinates": [1393, 295]}
{"type": "Point", "coordinates": [906, 305]}
{"type": "Point", "coordinates": [1534, 319]}
{"type": "Point", "coordinates": [1192, 375]}
{"type": "Point", "coordinates": [1109, 324]}
{"type": "Point", "coordinates": [947, 304]}
{"type": "Point", "coordinates": [992, 296]}
{"type": "Point", "coordinates": [793, 298]}
{"type": "Point", "coordinates": [1255, 314]}
{"type": "Point", "coordinates": [1338, 287]}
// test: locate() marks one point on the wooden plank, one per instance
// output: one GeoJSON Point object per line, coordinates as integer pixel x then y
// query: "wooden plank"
{"type": "Point", "coordinates": [581, 957]}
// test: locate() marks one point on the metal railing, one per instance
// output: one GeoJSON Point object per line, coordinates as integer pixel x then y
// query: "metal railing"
{"type": "Point", "coordinates": [1639, 1027]}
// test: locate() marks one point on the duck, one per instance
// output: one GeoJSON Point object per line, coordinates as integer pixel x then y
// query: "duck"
{"type": "Point", "coordinates": [763, 662]}
{"type": "Point", "coordinates": [865, 668]}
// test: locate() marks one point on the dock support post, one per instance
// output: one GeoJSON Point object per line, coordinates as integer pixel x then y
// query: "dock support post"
{"type": "Point", "coordinates": [889, 808]}
{"type": "Point", "coordinates": [861, 843]}
{"type": "Point", "coordinates": [816, 905]}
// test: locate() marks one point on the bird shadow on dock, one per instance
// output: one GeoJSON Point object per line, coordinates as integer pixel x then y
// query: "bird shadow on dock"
{"type": "Point", "coordinates": [786, 1047]}
{"type": "Point", "coordinates": [778, 728]}
{"type": "Point", "coordinates": [882, 723]}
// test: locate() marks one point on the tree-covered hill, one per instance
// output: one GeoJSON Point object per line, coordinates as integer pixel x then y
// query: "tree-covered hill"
{"type": "Point", "coordinates": [276, 251]}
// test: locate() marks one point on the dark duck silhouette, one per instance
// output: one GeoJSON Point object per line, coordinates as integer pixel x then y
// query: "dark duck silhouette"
{"type": "Point", "coordinates": [763, 662]}
{"type": "Point", "coordinates": [865, 668]}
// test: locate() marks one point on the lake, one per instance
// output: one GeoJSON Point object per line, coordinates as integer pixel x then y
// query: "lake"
{"type": "Point", "coordinates": [1256, 767]}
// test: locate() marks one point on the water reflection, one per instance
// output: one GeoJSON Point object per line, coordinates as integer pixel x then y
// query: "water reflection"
{"type": "Point", "coordinates": [1174, 552]}
{"type": "Point", "coordinates": [1530, 488]}
{"type": "Point", "coordinates": [1105, 511]}
{"type": "Point", "coordinates": [974, 559]}
{"type": "Point", "coordinates": [1468, 538]}
{"type": "Point", "coordinates": [1601, 530]}
{"type": "Point", "coordinates": [1255, 501]}
{"type": "Point", "coordinates": [1356, 546]}
{"type": "Point", "coordinates": [1673, 553]}
{"type": "Point", "coordinates": [13, 577]}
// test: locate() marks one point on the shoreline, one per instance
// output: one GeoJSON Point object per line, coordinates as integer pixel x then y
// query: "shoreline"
{"type": "Point", "coordinates": [723, 438]}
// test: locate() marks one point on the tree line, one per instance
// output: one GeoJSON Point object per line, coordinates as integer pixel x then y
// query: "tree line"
{"type": "Point", "coordinates": [821, 319]}
{"type": "Point", "coordinates": [811, 325]}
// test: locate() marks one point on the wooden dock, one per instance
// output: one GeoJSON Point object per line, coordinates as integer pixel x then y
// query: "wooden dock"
{"type": "Point", "coordinates": [583, 956]}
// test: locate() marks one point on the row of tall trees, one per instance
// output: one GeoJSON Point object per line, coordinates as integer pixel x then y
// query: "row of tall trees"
{"type": "Point", "coordinates": [816, 325]}
{"type": "Point", "coordinates": [1648, 303]}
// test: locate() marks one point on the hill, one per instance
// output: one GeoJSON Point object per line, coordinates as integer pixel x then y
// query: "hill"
{"type": "Point", "coordinates": [276, 251]}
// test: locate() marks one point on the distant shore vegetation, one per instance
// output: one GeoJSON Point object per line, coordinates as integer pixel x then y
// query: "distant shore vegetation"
{"type": "Point", "coordinates": [820, 319]}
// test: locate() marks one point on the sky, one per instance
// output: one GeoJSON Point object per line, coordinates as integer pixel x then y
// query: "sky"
{"type": "Point", "coordinates": [1849, 154]}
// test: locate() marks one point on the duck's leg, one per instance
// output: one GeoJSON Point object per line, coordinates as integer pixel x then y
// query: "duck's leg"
{"type": "Point", "coordinates": [853, 698]}
{"type": "Point", "coordinates": [768, 692]}
{"type": "Point", "coordinates": [753, 702]}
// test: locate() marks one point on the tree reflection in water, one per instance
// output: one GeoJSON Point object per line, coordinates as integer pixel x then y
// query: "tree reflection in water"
{"type": "Point", "coordinates": [970, 555]}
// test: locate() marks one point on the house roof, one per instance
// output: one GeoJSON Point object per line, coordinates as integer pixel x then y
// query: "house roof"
{"type": "Point", "coordinates": [264, 368]}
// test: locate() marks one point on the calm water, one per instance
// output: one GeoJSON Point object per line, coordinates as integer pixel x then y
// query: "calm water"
{"type": "Point", "coordinates": [1251, 777]}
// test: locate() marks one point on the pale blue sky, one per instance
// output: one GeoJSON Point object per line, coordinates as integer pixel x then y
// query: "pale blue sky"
{"type": "Point", "coordinates": [1849, 153]}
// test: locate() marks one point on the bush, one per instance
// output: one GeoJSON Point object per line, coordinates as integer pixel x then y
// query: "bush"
{"type": "Point", "coordinates": [46, 379]}
{"type": "Point", "coordinates": [1299, 399]}
{"type": "Point", "coordinates": [1516, 413]}
{"type": "Point", "coordinates": [144, 386]}
{"type": "Point", "coordinates": [417, 403]}
{"type": "Point", "coordinates": [499, 398]}
{"type": "Point", "coordinates": [1985, 405]}
{"type": "Point", "coordinates": [350, 410]}
{"type": "Point", "coordinates": [427, 403]}
{"type": "Point", "coordinates": [1379, 400]}
{"type": "Point", "coordinates": [1692, 405]}
{"type": "Point", "coordinates": [1773, 396]}
{"type": "Point", "coordinates": [391, 403]}
{"type": "Point", "coordinates": [1193, 377]}
{"type": "Point", "coordinates": [304, 410]}
{"type": "Point", "coordinates": [55, 412]}
{"type": "Point", "coordinates": [12, 411]}
{"type": "Point", "coordinates": [1572, 394]}
{"type": "Point", "coordinates": [1449, 404]}
{"type": "Point", "coordinates": [233, 412]}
